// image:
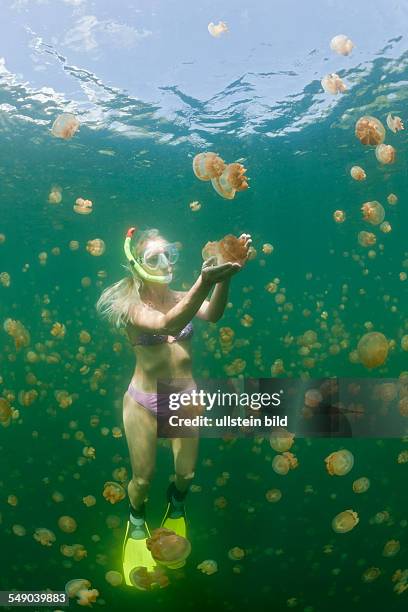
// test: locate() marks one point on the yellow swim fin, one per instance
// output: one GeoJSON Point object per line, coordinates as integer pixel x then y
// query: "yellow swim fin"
{"type": "Point", "coordinates": [136, 554]}
{"type": "Point", "coordinates": [175, 520]}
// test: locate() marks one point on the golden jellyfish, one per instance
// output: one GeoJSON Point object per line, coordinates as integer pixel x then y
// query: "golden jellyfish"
{"type": "Point", "coordinates": [392, 199]}
{"type": "Point", "coordinates": [341, 44]}
{"type": "Point", "coordinates": [86, 597]}
{"type": "Point", "coordinates": [83, 207]}
{"type": "Point", "coordinates": [236, 553]}
{"type": "Point", "coordinates": [358, 173]}
{"type": "Point", "coordinates": [339, 216]}
{"type": "Point", "coordinates": [73, 245]}
{"type": "Point", "coordinates": [371, 574]}
{"type": "Point", "coordinates": [144, 580]}
{"type": "Point", "coordinates": [282, 441]}
{"type": "Point", "coordinates": [209, 566]}
{"type": "Point", "coordinates": [89, 500]}
{"type": "Point", "coordinates": [233, 179]}
{"type": "Point", "coordinates": [58, 330]}
{"type": "Point", "coordinates": [84, 337]}
{"type": "Point", "coordinates": [385, 153]}
{"type": "Point", "coordinates": [19, 530]}
{"type": "Point", "coordinates": [228, 249]}
{"type": "Point", "coordinates": [114, 578]}
{"type": "Point", "coordinates": [168, 548]}
{"type": "Point", "coordinates": [55, 195]}
{"type": "Point", "coordinates": [385, 227]}
{"type": "Point", "coordinates": [404, 342]}
{"type": "Point", "coordinates": [267, 248]}
{"type": "Point", "coordinates": [373, 212]}
{"type": "Point", "coordinates": [345, 521]}
{"type": "Point", "coordinates": [273, 495]}
{"type": "Point", "coordinates": [366, 239]}
{"type": "Point", "coordinates": [5, 412]}
{"type": "Point", "coordinates": [361, 485]}
{"type": "Point", "coordinates": [73, 587]}
{"type": "Point", "coordinates": [369, 130]}
{"type": "Point", "coordinates": [95, 247]}
{"type": "Point", "coordinates": [339, 463]}
{"type": "Point", "coordinates": [5, 279]}
{"type": "Point", "coordinates": [195, 206]}
{"type": "Point", "coordinates": [65, 126]}
{"type": "Point", "coordinates": [44, 536]}
{"type": "Point", "coordinates": [403, 457]}
{"type": "Point", "coordinates": [247, 320]}
{"type": "Point", "coordinates": [113, 492]}
{"type": "Point", "coordinates": [67, 524]}
{"type": "Point", "coordinates": [281, 465]}
{"type": "Point", "coordinates": [391, 548]}
{"type": "Point", "coordinates": [372, 349]}
{"type": "Point", "coordinates": [333, 84]}
{"type": "Point", "coordinates": [207, 166]}
{"type": "Point", "coordinates": [313, 398]}
{"type": "Point", "coordinates": [394, 123]}
{"type": "Point", "coordinates": [216, 29]}
{"type": "Point", "coordinates": [2, 238]}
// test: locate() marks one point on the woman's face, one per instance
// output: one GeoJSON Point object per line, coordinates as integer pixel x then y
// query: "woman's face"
{"type": "Point", "coordinates": [156, 256]}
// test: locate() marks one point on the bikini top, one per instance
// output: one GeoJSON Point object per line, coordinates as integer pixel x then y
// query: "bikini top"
{"type": "Point", "coordinates": [148, 339]}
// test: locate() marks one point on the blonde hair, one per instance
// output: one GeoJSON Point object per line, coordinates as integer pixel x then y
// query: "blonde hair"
{"type": "Point", "coordinates": [116, 301]}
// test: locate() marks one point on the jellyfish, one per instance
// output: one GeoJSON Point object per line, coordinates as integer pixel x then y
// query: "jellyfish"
{"type": "Point", "coordinates": [5, 412]}
{"type": "Point", "coordinates": [339, 216]}
{"type": "Point", "coordinates": [58, 330]}
{"type": "Point", "coordinates": [55, 195]}
{"type": "Point", "coordinates": [144, 580]}
{"type": "Point", "coordinates": [345, 521]}
{"type": "Point", "coordinates": [207, 166]}
{"type": "Point", "coordinates": [280, 465]}
{"type": "Point", "coordinates": [95, 247]}
{"type": "Point", "coordinates": [86, 597]}
{"type": "Point", "coordinates": [267, 248]}
{"type": "Point", "coordinates": [19, 530]}
{"type": "Point", "coordinates": [273, 495]}
{"type": "Point", "coordinates": [89, 500]}
{"type": "Point", "coordinates": [371, 574]}
{"type": "Point", "coordinates": [341, 44]}
{"type": "Point", "coordinates": [385, 153]}
{"type": "Point", "coordinates": [67, 524]}
{"type": "Point", "coordinates": [333, 84]}
{"type": "Point", "coordinates": [228, 249]}
{"type": "Point", "coordinates": [236, 553]}
{"type": "Point", "coordinates": [209, 566]}
{"type": "Point", "coordinates": [233, 179]}
{"type": "Point", "coordinates": [372, 349]}
{"type": "Point", "coordinates": [114, 578]}
{"type": "Point", "coordinates": [65, 126]}
{"type": "Point", "coordinates": [339, 463]}
{"type": "Point", "coordinates": [313, 398]}
{"type": "Point", "coordinates": [392, 199]}
{"type": "Point", "coordinates": [369, 130]}
{"type": "Point", "coordinates": [391, 548]}
{"type": "Point", "coordinates": [195, 206]}
{"type": "Point", "coordinates": [358, 173]}
{"type": "Point", "coordinates": [83, 207]}
{"type": "Point", "coordinates": [113, 492]}
{"type": "Point", "coordinates": [73, 245]}
{"type": "Point", "coordinates": [44, 536]}
{"type": "Point", "coordinates": [394, 123]}
{"type": "Point", "coordinates": [282, 441]}
{"type": "Point", "coordinates": [373, 212]}
{"type": "Point", "coordinates": [217, 29]}
{"type": "Point", "coordinates": [366, 239]}
{"type": "Point", "coordinates": [73, 587]}
{"type": "Point", "coordinates": [168, 548]}
{"type": "Point", "coordinates": [361, 485]}
{"type": "Point", "coordinates": [5, 279]}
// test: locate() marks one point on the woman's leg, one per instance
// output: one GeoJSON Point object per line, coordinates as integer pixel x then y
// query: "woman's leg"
{"type": "Point", "coordinates": [141, 435]}
{"type": "Point", "coordinates": [185, 452]}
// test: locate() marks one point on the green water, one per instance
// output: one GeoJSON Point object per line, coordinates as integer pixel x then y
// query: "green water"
{"type": "Point", "coordinates": [297, 181]}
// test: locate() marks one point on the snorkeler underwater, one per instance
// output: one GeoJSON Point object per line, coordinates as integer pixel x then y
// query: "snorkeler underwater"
{"type": "Point", "coordinates": [204, 305]}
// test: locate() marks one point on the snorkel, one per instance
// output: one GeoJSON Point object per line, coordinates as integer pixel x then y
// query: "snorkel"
{"type": "Point", "coordinates": [136, 263]}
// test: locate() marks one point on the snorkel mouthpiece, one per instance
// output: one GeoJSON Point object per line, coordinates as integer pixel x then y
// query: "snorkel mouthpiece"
{"type": "Point", "coordinates": [137, 268]}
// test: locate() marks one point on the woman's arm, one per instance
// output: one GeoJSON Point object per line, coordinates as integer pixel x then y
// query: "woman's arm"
{"type": "Point", "coordinates": [213, 309]}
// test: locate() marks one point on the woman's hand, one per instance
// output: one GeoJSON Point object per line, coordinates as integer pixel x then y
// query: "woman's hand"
{"type": "Point", "coordinates": [247, 242]}
{"type": "Point", "coordinates": [212, 273]}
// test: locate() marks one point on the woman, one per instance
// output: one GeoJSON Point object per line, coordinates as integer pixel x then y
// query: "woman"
{"type": "Point", "coordinates": [158, 324]}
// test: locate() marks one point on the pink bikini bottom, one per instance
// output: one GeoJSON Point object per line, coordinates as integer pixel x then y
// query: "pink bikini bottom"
{"type": "Point", "coordinates": [156, 403]}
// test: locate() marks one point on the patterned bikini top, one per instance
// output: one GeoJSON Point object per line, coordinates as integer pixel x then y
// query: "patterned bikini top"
{"type": "Point", "coordinates": [149, 339]}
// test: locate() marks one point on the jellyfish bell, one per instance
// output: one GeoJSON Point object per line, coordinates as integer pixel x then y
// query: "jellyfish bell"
{"type": "Point", "coordinates": [369, 130]}
{"type": "Point", "coordinates": [339, 463]}
{"type": "Point", "coordinates": [233, 179]}
{"type": "Point", "coordinates": [339, 216]}
{"type": "Point", "coordinates": [168, 548]}
{"type": "Point", "coordinates": [83, 207]}
{"type": "Point", "coordinates": [217, 29]}
{"type": "Point", "coordinates": [228, 249]}
{"type": "Point", "coordinates": [345, 521]}
{"type": "Point", "coordinates": [95, 247]}
{"type": "Point", "coordinates": [358, 173]}
{"type": "Point", "coordinates": [361, 485]}
{"type": "Point", "coordinates": [65, 126]}
{"type": "Point", "coordinates": [282, 441]}
{"type": "Point", "coordinates": [394, 123]}
{"type": "Point", "coordinates": [273, 495]}
{"type": "Point", "coordinates": [385, 153]}
{"type": "Point", "coordinates": [373, 212]}
{"type": "Point", "coordinates": [392, 199]}
{"type": "Point", "coordinates": [341, 44]}
{"type": "Point", "coordinates": [281, 465]}
{"type": "Point", "coordinates": [207, 166]}
{"type": "Point", "coordinates": [209, 566]}
{"type": "Point", "coordinates": [236, 553]}
{"type": "Point", "coordinates": [333, 84]}
{"type": "Point", "coordinates": [372, 350]}
{"type": "Point", "coordinates": [73, 587]}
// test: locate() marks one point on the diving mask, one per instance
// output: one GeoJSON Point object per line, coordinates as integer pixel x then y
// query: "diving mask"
{"type": "Point", "coordinates": [156, 257]}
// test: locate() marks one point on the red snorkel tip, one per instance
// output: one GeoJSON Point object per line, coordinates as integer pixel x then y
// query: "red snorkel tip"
{"type": "Point", "coordinates": [130, 232]}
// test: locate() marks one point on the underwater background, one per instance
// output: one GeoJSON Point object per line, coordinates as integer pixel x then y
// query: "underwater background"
{"type": "Point", "coordinates": [151, 89]}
